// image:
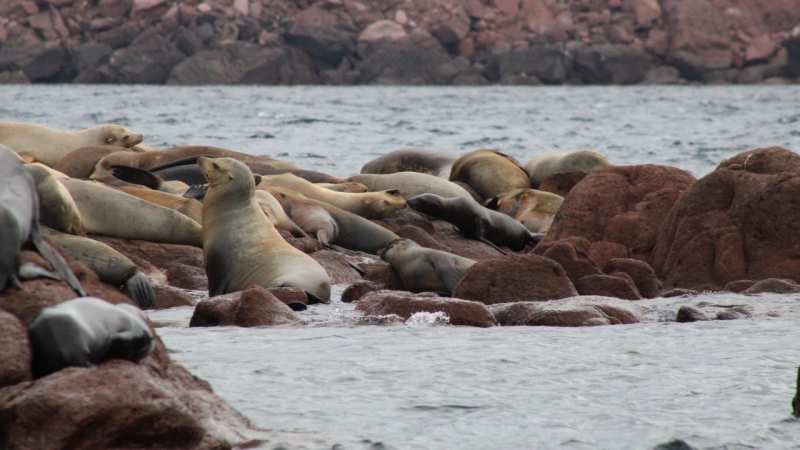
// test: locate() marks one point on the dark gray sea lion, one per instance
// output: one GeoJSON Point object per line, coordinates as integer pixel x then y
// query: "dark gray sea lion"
{"type": "Point", "coordinates": [489, 172]}
{"type": "Point", "coordinates": [476, 221]}
{"type": "Point", "coordinates": [411, 160]}
{"type": "Point", "coordinates": [424, 269]}
{"type": "Point", "coordinates": [87, 331]}
{"type": "Point", "coordinates": [19, 224]}
{"type": "Point", "coordinates": [110, 265]}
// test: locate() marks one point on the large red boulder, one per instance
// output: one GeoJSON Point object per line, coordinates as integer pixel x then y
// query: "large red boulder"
{"type": "Point", "coordinates": [571, 312]}
{"type": "Point", "coordinates": [252, 307]}
{"type": "Point", "coordinates": [15, 351]}
{"type": "Point", "coordinates": [625, 205]}
{"type": "Point", "coordinates": [406, 304]}
{"type": "Point", "coordinates": [515, 278]}
{"type": "Point", "coordinates": [741, 221]}
{"type": "Point", "coordinates": [617, 285]}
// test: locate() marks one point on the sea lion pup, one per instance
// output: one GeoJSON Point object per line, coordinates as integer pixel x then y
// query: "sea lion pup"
{"type": "Point", "coordinates": [86, 331]}
{"type": "Point", "coordinates": [187, 206]}
{"type": "Point", "coordinates": [411, 160]}
{"type": "Point", "coordinates": [534, 209]}
{"type": "Point", "coordinates": [110, 265]}
{"type": "Point", "coordinates": [80, 163]}
{"type": "Point", "coordinates": [372, 205]}
{"type": "Point", "coordinates": [275, 213]}
{"type": "Point", "coordinates": [332, 225]}
{"type": "Point", "coordinates": [424, 269]}
{"type": "Point", "coordinates": [489, 172]}
{"type": "Point", "coordinates": [110, 212]}
{"type": "Point", "coordinates": [241, 246]}
{"type": "Point", "coordinates": [547, 164]}
{"type": "Point", "coordinates": [19, 224]}
{"type": "Point", "coordinates": [57, 209]}
{"type": "Point", "coordinates": [49, 145]}
{"type": "Point", "coordinates": [475, 221]}
{"type": "Point", "coordinates": [410, 184]}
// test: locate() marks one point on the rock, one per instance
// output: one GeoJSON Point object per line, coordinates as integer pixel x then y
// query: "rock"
{"type": "Point", "coordinates": [699, 38]}
{"type": "Point", "coordinates": [187, 276]}
{"type": "Point", "coordinates": [689, 314]}
{"type": "Point", "coordinates": [608, 286]}
{"type": "Point", "coordinates": [293, 298]}
{"type": "Point", "coordinates": [170, 297]}
{"type": "Point", "coordinates": [561, 183]}
{"type": "Point", "coordinates": [90, 56]}
{"type": "Point", "coordinates": [729, 315]}
{"type": "Point", "coordinates": [663, 75]}
{"type": "Point", "coordinates": [52, 65]}
{"type": "Point", "coordinates": [773, 285]}
{"type": "Point", "coordinates": [152, 256]}
{"type": "Point", "coordinates": [549, 64]}
{"type": "Point", "coordinates": [339, 266]}
{"type": "Point", "coordinates": [678, 292]}
{"type": "Point", "coordinates": [406, 304]}
{"type": "Point", "coordinates": [325, 35]}
{"type": "Point", "coordinates": [355, 291]}
{"type": "Point", "coordinates": [569, 312]}
{"type": "Point", "coordinates": [624, 205]}
{"type": "Point", "coordinates": [252, 307]}
{"type": "Point", "coordinates": [380, 33]}
{"type": "Point", "coordinates": [120, 36]}
{"type": "Point", "coordinates": [738, 222]}
{"type": "Point", "coordinates": [738, 285]}
{"type": "Point", "coordinates": [792, 46]}
{"type": "Point", "coordinates": [616, 64]}
{"type": "Point", "coordinates": [675, 444]}
{"type": "Point", "coordinates": [515, 278]}
{"type": "Point", "coordinates": [14, 77]}
{"type": "Point", "coordinates": [141, 5]}
{"type": "Point", "coordinates": [646, 12]}
{"type": "Point", "coordinates": [149, 59]}
{"type": "Point", "coordinates": [114, 8]}
{"type": "Point", "coordinates": [573, 255]}
{"type": "Point", "coordinates": [760, 48]}
{"type": "Point", "coordinates": [641, 273]}
{"type": "Point", "coordinates": [15, 351]}
{"type": "Point", "coordinates": [381, 273]}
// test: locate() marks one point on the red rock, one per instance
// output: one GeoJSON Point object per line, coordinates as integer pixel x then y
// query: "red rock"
{"type": "Point", "coordinates": [382, 30]}
{"type": "Point", "coordinates": [760, 48]}
{"type": "Point", "coordinates": [657, 42]}
{"type": "Point", "coordinates": [114, 8]}
{"type": "Point", "coordinates": [643, 276]}
{"type": "Point", "coordinates": [326, 35]}
{"type": "Point", "coordinates": [689, 314]}
{"type": "Point", "coordinates": [294, 298]}
{"type": "Point", "coordinates": [507, 7]}
{"type": "Point", "coordinates": [515, 278]}
{"type": "Point", "coordinates": [171, 297]}
{"type": "Point", "coordinates": [359, 289]}
{"type": "Point", "coordinates": [738, 285]}
{"type": "Point", "coordinates": [187, 277]}
{"type": "Point", "coordinates": [406, 304]}
{"type": "Point", "coordinates": [252, 307]}
{"type": "Point", "coordinates": [381, 272]}
{"type": "Point", "coordinates": [601, 252]}
{"type": "Point", "coordinates": [623, 204]}
{"type": "Point", "coordinates": [700, 37]}
{"type": "Point", "coordinates": [571, 312]}
{"type": "Point", "coordinates": [647, 12]}
{"type": "Point", "coordinates": [678, 292]}
{"type": "Point", "coordinates": [773, 285]}
{"type": "Point", "coordinates": [339, 266]}
{"type": "Point", "coordinates": [738, 222]}
{"type": "Point", "coordinates": [15, 351]}
{"type": "Point", "coordinates": [153, 257]}
{"type": "Point", "coordinates": [617, 286]}
{"type": "Point", "coordinates": [141, 5]}
{"type": "Point", "coordinates": [573, 255]}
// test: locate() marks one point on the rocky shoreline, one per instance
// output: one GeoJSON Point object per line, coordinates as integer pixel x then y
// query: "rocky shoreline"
{"type": "Point", "coordinates": [441, 42]}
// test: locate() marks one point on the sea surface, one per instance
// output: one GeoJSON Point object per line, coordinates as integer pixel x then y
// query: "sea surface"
{"type": "Point", "coordinates": [428, 385]}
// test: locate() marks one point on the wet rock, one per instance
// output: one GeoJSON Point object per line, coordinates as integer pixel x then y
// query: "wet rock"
{"type": "Point", "coordinates": [186, 276]}
{"type": "Point", "coordinates": [294, 298]}
{"type": "Point", "coordinates": [624, 205]}
{"type": "Point", "coordinates": [549, 64]}
{"type": "Point", "coordinates": [515, 278]}
{"type": "Point", "coordinates": [324, 34]}
{"type": "Point", "coordinates": [339, 266]}
{"type": "Point", "coordinates": [15, 351]}
{"type": "Point", "coordinates": [676, 444]}
{"type": "Point", "coordinates": [773, 285]}
{"type": "Point", "coordinates": [406, 304]}
{"type": "Point", "coordinates": [678, 292]}
{"type": "Point", "coordinates": [643, 276]}
{"type": "Point", "coordinates": [155, 255]}
{"type": "Point", "coordinates": [252, 307]}
{"type": "Point", "coordinates": [573, 255]}
{"type": "Point", "coordinates": [617, 286]}
{"type": "Point", "coordinates": [571, 312]}
{"type": "Point", "coordinates": [729, 315]}
{"type": "Point", "coordinates": [738, 222]}
{"type": "Point", "coordinates": [355, 291]}
{"type": "Point", "coordinates": [617, 64]}
{"type": "Point", "coordinates": [689, 314]}
{"type": "Point", "coordinates": [170, 297]}
{"type": "Point", "coordinates": [738, 285]}
{"type": "Point", "coordinates": [381, 273]}
{"type": "Point", "coordinates": [561, 183]}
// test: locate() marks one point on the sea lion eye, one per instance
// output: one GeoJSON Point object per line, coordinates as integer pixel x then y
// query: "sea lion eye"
{"type": "Point", "coordinates": [109, 139]}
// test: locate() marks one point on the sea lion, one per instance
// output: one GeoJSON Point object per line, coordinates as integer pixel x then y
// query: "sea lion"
{"type": "Point", "coordinates": [80, 163]}
{"type": "Point", "coordinates": [57, 209]}
{"type": "Point", "coordinates": [547, 164]}
{"type": "Point", "coordinates": [275, 213]}
{"type": "Point", "coordinates": [187, 206]}
{"type": "Point", "coordinates": [332, 225]}
{"type": "Point", "coordinates": [410, 184]}
{"type": "Point", "coordinates": [411, 160]}
{"type": "Point", "coordinates": [423, 269]}
{"type": "Point", "coordinates": [86, 331]}
{"type": "Point", "coordinates": [19, 224]}
{"type": "Point", "coordinates": [489, 172]}
{"type": "Point", "coordinates": [534, 209]}
{"type": "Point", "coordinates": [110, 265]}
{"type": "Point", "coordinates": [347, 186]}
{"type": "Point", "coordinates": [110, 212]}
{"type": "Point", "coordinates": [372, 205]}
{"type": "Point", "coordinates": [475, 221]}
{"type": "Point", "coordinates": [241, 246]}
{"type": "Point", "coordinates": [49, 145]}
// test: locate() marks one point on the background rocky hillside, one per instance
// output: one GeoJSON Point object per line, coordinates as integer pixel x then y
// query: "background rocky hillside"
{"type": "Point", "coordinates": [399, 41]}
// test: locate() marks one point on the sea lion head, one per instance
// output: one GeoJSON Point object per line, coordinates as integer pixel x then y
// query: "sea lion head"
{"type": "Point", "coordinates": [395, 247]}
{"type": "Point", "coordinates": [430, 204]}
{"type": "Point", "coordinates": [385, 202]}
{"type": "Point", "coordinates": [227, 176]}
{"type": "Point", "coordinates": [113, 134]}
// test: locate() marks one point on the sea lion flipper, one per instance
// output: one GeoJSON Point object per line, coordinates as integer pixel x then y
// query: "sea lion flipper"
{"type": "Point", "coordinates": [196, 191]}
{"type": "Point", "coordinates": [449, 275]}
{"type": "Point", "coordinates": [31, 271]}
{"type": "Point", "coordinates": [140, 289]}
{"type": "Point", "coordinates": [56, 260]}
{"type": "Point", "coordinates": [137, 176]}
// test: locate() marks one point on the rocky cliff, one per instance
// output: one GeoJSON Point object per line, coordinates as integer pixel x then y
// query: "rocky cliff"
{"type": "Point", "coordinates": [399, 41]}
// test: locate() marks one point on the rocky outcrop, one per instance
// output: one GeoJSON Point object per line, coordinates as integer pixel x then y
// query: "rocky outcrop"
{"type": "Point", "coordinates": [252, 307]}
{"type": "Point", "coordinates": [571, 312]}
{"type": "Point", "coordinates": [406, 304]}
{"type": "Point", "coordinates": [386, 42]}
{"type": "Point", "coordinates": [737, 222]}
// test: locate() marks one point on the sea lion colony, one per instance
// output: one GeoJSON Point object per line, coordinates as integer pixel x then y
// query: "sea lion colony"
{"type": "Point", "coordinates": [72, 186]}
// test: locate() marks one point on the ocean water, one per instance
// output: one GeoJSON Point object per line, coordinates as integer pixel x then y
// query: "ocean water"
{"type": "Point", "coordinates": [428, 385]}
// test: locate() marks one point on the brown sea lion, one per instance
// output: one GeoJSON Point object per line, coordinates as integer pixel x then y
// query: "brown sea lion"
{"type": "Point", "coordinates": [489, 172]}
{"type": "Point", "coordinates": [547, 164]}
{"type": "Point", "coordinates": [410, 184]}
{"type": "Point", "coordinates": [80, 163]}
{"type": "Point", "coordinates": [534, 209]}
{"type": "Point", "coordinates": [187, 206]}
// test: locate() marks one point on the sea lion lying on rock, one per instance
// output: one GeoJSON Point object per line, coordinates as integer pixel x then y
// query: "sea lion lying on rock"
{"type": "Point", "coordinates": [87, 331]}
{"type": "Point", "coordinates": [423, 269]}
{"type": "Point", "coordinates": [534, 209]}
{"type": "Point", "coordinates": [547, 164]}
{"type": "Point", "coordinates": [489, 172]}
{"type": "Point", "coordinates": [411, 160]}
{"type": "Point", "coordinates": [409, 184]}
